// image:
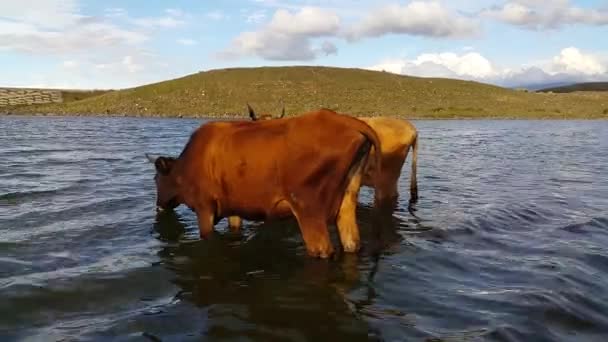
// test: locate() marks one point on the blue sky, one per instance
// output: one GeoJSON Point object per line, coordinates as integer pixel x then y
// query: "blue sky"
{"type": "Point", "coordinates": [118, 44]}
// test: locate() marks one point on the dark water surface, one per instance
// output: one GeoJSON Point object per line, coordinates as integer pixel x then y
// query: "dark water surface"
{"type": "Point", "coordinates": [509, 242]}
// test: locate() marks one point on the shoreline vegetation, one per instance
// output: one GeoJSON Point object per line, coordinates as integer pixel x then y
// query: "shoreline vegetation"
{"type": "Point", "coordinates": [223, 93]}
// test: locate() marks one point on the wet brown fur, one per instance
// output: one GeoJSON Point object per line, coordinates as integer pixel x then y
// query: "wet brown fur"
{"type": "Point", "coordinates": [271, 169]}
{"type": "Point", "coordinates": [397, 136]}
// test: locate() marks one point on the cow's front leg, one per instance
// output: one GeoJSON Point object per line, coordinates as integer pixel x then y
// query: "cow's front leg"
{"type": "Point", "coordinates": [205, 222]}
{"type": "Point", "coordinates": [316, 235]}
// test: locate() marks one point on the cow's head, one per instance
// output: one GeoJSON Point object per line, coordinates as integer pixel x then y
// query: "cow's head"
{"type": "Point", "coordinates": [255, 117]}
{"type": "Point", "coordinates": [166, 188]}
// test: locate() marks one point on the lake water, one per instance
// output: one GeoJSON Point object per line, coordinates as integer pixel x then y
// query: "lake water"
{"type": "Point", "coordinates": [509, 242]}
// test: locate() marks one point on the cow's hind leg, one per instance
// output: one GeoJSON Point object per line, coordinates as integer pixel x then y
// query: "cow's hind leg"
{"type": "Point", "coordinates": [235, 223]}
{"type": "Point", "coordinates": [347, 218]}
{"type": "Point", "coordinates": [387, 191]}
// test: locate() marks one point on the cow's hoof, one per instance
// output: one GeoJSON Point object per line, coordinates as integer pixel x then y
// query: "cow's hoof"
{"type": "Point", "coordinates": [325, 254]}
{"type": "Point", "coordinates": [351, 247]}
{"type": "Point", "coordinates": [322, 253]}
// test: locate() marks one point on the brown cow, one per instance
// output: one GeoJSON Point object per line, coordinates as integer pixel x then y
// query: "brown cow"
{"type": "Point", "coordinates": [273, 169]}
{"type": "Point", "coordinates": [397, 137]}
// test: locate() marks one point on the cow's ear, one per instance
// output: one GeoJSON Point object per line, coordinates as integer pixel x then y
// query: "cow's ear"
{"type": "Point", "coordinates": [163, 165]}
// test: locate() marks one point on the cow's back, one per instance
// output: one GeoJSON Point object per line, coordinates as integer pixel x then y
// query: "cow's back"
{"type": "Point", "coordinates": [252, 167]}
{"type": "Point", "coordinates": [395, 133]}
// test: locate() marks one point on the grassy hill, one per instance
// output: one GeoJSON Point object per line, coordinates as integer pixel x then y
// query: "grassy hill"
{"type": "Point", "coordinates": [590, 86]}
{"type": "Point", "coordinates": [77, 95]}
{"type": "Point", "coordinates": [225, 92]}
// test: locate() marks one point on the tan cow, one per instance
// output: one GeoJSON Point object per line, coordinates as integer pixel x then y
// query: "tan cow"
{"type": "Point", "coordinates": [397, 137]}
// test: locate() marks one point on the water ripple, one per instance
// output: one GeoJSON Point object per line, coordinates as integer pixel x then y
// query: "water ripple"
{"type": "Point", "coordinates": [508, 242]}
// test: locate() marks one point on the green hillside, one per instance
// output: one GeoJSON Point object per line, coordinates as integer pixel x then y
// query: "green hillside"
{"type": "Point", "coordinates": [225, 92]}
{"type": "Point", "coordinates": [77, 95]}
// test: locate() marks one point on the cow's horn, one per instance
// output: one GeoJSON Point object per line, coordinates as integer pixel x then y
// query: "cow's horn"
{"type": "Point", "coordinates": [251, 112]}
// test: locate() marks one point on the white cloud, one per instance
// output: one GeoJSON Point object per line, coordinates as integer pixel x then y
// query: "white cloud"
{"type": "Point", "coordinates": [127, 64]}
{"type": "Point", "coordinates": [329, 48]}
{"type": "Point", "coordinates": [291, 34]}
{"type": "Point", "coordinates": [346, 8]}
{"type": "Point", "coordinates": [392, 65]}
{"type": "Point", "coordinates": [187, 41]}
{"type": "Point", "coordinates": [273, 46]}
{"type": "Point", "coordinates": [571, 60]}
{"type": "Point", "coordinates": [115, 12]}
{"type": "Point", "coordinates": [288, 36]}
{"type": "Point", "coordinates": [92, 51]}
{"type": "Point", "coordinates": [570, 65]}
{"type": "Point", "coordinates": [309, 21]}
{"type": "Point", "coordinates": [175, 12]}
{"type": "Point", "coordinates": [173, 18]}
{"type": "Point", "coordinates": [70, 64]}
{"type": "Point", "coordinates": [541, 15]}
{"type": "Point", "coordinates": [421, 18]}
{"type": "Point", "coordinates": [159, 22]}
{"type": "Point", "coordinates": [58, 27]}
{"type": "Point", "coordinates": [136, 68]}
{"type": "Point", "coordinates": [132, 66]}
{"type": "Point", "coordinates": [84, 34]}
{"type": "Point", "coordinates": [470, 65]}
{"type": "Point", "coordinates": [255, 17]}
{"type": "Point", "coordinates": [215, 15]}
{"type": "Point", "coordinates": [50, 14]}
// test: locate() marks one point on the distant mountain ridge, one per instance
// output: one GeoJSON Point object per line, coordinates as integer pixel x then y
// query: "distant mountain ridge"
{"type": "Point", "coordinates": [587, 86]}
{"type": "Point", "coordinates": [540, 86]}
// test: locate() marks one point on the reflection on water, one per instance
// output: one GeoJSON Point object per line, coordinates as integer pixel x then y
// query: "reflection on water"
{"type": "Point", "coordinates": [507, 242]}
{"type": "Point", "coordinates": [270, 291]}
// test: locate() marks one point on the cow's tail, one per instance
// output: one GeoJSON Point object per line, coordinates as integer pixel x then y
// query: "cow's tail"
{"type": "Point", "coordinates": [413, 180]}
{"type": "Point", "coordinates": [372, 136]}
